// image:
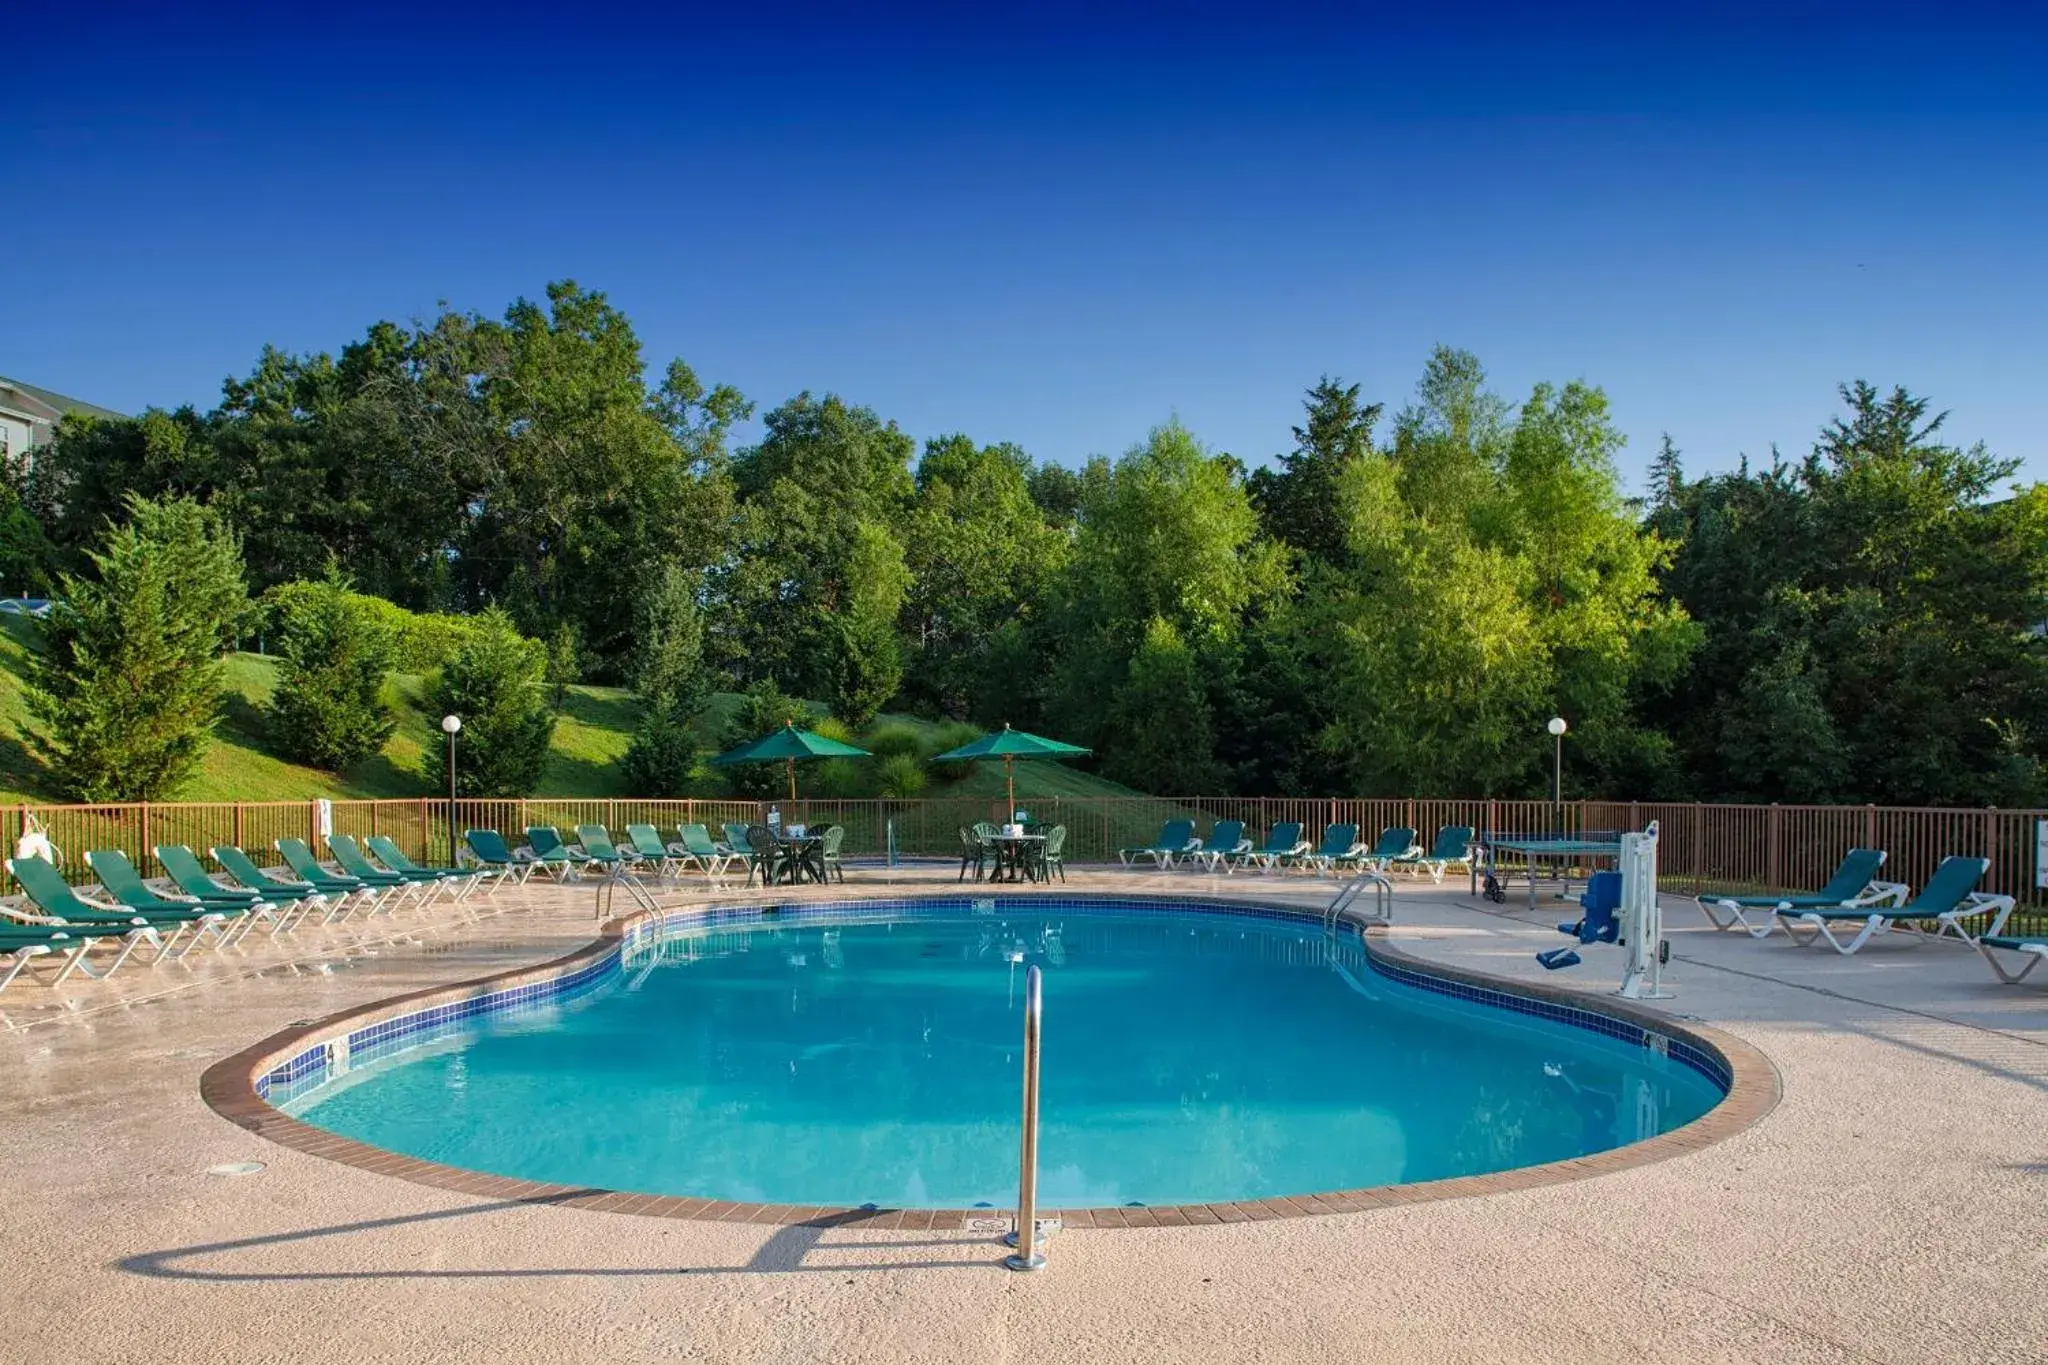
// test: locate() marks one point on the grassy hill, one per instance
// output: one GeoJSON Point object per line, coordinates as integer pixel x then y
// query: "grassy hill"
{"type": "Point", "coordinates": [595, 727]}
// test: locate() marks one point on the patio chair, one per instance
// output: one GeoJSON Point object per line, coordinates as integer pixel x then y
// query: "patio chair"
{"type": "Point", "coordinates": [1855, 882]}
{"type": "Point", "coordinates": [699, 847]}
{"type": "Point", "coordinates": [123, 885]}
{"type": "Point", "coordinates": [298, 858]}
{"type": "Point", "coordinates": [1340, 842]}
{"type": "Point", "coordinates": [459, 882]}
{"type": "Point", "coordinates": [973, 853]}
{"type": "Point", "coordinates": [1176, 840]}
{"type": "Point", "coordinates": [1051, 857]}
{"type": "Point", "coordinates": [280, 890]}
{"type": "Point", "coordinates": [58, 906]}
{"type": "Point", "coordinates": [1453, 847]}
{"type": "Point", "coordinates": [544, 845]}
{"type": "Point", "coordinates": [1226, 841]}
{"type": "Point", "coordinates": [191, 877]}
{"type": "Point", "coordinates": [1395, 842]}
{"type": "Point", "coordinates": [1282, 843]}
{"type": "Point", "coordinates": [2032, 948]}
{"type": "Point", "coordinates": [1949, 898]}
{"type": "Point", "coordinates": [491, 851]}
{"type": "Point", "coordinates": [765, 855]}
{"type": "Point", "coordinates": [349, 857]}
{"type": "Point", "coordinates": [828, 851]}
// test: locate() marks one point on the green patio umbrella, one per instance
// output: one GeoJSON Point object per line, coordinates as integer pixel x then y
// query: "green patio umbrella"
{"type": "Point", "coordinates": [1011, 745]}
{"type": "Point", "coordinates": [787, 744]}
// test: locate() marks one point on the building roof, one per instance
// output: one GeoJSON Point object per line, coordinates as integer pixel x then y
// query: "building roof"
{"type": "Point", "coordinates": [50, 398]}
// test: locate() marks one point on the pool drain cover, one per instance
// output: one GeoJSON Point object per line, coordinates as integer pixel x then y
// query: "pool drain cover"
{"type": "Point", "coordinates": [235, 1168]}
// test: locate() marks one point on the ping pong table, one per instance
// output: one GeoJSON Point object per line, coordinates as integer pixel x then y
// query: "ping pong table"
{"type": "Point", "coordinates": [1563, 852]}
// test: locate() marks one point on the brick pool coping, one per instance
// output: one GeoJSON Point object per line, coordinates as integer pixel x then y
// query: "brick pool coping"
{"type": "Point", "coordinates": [229, 1088]}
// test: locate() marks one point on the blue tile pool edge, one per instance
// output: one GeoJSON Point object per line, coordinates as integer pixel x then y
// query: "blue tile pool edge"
{"type": "Point", "coordinates": [320, 1061]}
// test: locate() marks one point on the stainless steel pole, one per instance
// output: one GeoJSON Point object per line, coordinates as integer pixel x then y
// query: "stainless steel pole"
{"type": "Point", "coordinates": [454, 859]}
{"type": "Point", "coordinates": [1025, 1237]}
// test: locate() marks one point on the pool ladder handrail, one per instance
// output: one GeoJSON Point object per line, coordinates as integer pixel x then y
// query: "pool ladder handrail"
{"type": "Point", "coordinates": [1348, 895]}
{"type": "Point", "coordinates": [1024, 1236]}
{"type": "Point", "coordinates": [636, 886]}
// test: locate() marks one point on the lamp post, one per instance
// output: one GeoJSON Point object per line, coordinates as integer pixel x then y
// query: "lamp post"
{"type": "Point", "coordinates": [449, 725]}
{"type": "Point", "coordinates": [1557, 727]}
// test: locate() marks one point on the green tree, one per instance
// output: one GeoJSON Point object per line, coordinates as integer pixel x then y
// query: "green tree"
{"type": "Point", "coordinates": [662, 759]}
{"type": "Point", "coordinates": [1298, 501]}
{"type": "Point", "coordinates": [980, 555]}
{"type": "Point", "coordinates": [334, 656]}
{"type": "Point", "coordinates": [763, 709]}
{"type": "Point", "coordinates": [669, 667]}
{"type": "Point", "coordinates": [565, 663]}
{"type": "Point", "coordinates": [497, 683]}
{"type": "Point", "coordinates": [130, 684]}
{"type": "Point", "coordinates": [1162, 739]}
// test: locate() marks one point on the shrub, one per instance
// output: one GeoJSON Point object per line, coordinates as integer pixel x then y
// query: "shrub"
{"type": "Point", "coordinates": [892, 738]}
{"type": "Point", "coordinates": [328, 709]}
{"type": "Point", "coordinates": [497, 684]}
{"type": "Point", "coordinates": [946, 738]}
{"type": "Point", "coordinates": [662, 759]}
{"type": "Point", "coordinates": [131, 683]}
{"type": "Point", "coordinates": [900, 776]}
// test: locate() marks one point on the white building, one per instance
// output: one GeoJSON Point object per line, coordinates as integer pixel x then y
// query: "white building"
{"type": "Point", "coordinates": [28, 416]}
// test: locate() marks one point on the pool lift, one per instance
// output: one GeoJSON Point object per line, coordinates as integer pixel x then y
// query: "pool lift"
{"type": "Point", "coordinates": [1621, 908]}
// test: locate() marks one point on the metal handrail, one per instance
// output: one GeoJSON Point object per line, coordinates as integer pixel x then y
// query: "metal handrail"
{"type": "Point", "coordinates": [1347, 896]}
{"type": "Point", "coordinates": [1024, 1236]}
{"type": "Point", "coordinates": [635, 886]}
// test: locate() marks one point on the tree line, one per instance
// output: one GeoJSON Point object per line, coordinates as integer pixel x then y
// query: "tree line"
{"type": "Point", "coordinates": [1395, 604]}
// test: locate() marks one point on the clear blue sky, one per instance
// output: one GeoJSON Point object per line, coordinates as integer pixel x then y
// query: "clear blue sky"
{"type": "Point", "coordinates": [1060, 226]}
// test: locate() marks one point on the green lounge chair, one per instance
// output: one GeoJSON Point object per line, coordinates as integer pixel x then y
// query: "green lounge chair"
{"type": "Point", "coordinates": [736, 839]}
{"type": "Point", "coordinates": [124, 886]}
{"type": "Point", "coordinates": [2032, 948]}
{"type": "Point", "coordinates": [492, 853]}
{"type": "Point", "coordinates": [1453, 847]}
{"type": "Point", "coordinates": [1950, 897]}
{"type": "Point", "coordinates": [25, 944]}
{"type": "Point", "coordinates": [192, 878]}
{"type": "Point", "coordinates": [599, 848]}
{"type": "Point", "coordinates": [1225, 844]}
{"type": "Point", "coordinates": [280, 890]}
{"type": "Point", "coordinates": [699, 847]}
{"type": "Point", "coordinates": [1340, 843]}
{"type": "Point", "coordinates": [298, 856]}
{"type": "Point", "coordinates": [61, 907]}
{"type": "Point", "coordinates": [544, 845]}
{"type": "Point", "coordinates": [1397, 841]}
{"type": "Point", "coordinates": [1176, 840]}
{"type": "Point", "coordinates": [349, 857]}
{"type": "Point", "coordinates": [645, 842]}
{"type": "Point", "coordinates": [1854, 883]}
{"type": "Point", "coordinates": [458, 882]}
{"type": "Point", "coordinates": [1282, 843]}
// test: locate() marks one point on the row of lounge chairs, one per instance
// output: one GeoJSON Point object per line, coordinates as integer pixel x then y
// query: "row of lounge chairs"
{"type": "Point", "coordinates": [1856, 906]}
{"type": "Point", "coordinates": [1230, 849]}
{"type": "Point", "coordinates": [644, 849]}
{"type": "Point", "coordinates": [66, 925]}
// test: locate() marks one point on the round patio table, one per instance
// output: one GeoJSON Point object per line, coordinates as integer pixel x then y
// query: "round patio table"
{"type": "Point", "coordinates": [803, 859]}
{"type": "Point", "coordinates": [1016, 857]}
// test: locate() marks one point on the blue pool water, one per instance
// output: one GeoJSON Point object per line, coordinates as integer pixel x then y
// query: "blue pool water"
{"type": "Point", "coordinates": [1187, 1058]}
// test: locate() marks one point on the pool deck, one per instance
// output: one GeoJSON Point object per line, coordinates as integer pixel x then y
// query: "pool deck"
{"type": "Point", "coordinates": [1892, 1207]}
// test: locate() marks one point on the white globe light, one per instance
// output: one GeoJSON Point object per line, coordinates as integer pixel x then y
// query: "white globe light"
{"type": "Point", "coordinates": [450, 724]}
{"type": "Point", "coordinates": [1557, 725]}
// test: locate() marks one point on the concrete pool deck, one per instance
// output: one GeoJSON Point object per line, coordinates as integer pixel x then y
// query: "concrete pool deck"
{"type": "Point", "coordinates": [1892, 1207]}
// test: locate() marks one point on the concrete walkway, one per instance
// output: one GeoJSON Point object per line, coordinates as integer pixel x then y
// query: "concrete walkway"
{"type": "Point", "coordinates": [1894, 1207]}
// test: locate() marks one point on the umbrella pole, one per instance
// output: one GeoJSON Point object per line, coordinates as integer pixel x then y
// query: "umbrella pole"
{"type": "Point", "coordinates": [1010, 772]}
{"type": "Point", "coordinates": [791, 764]}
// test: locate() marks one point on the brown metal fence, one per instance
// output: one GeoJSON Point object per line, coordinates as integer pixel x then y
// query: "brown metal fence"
{"type": "Point", "coordinates": [1721, 847]}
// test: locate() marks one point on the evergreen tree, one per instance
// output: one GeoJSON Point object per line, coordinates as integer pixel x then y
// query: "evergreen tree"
{"type": "Point", "coordinates": [130, 684]}
{"type": "Point", "coordinates": [1298, 501]}
{"type": "Point", "coordinates": [497, 683]}
{"type": "Point", "coordinates": [334, 654]}
{"type": "Point", "coordinates": [1163, 738]}
{"type": "Point", "coordinates": [662, 758]}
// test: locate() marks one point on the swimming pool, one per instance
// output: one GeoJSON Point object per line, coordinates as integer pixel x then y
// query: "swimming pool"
{"type": "Point", "coordinates": [851, 1054]}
